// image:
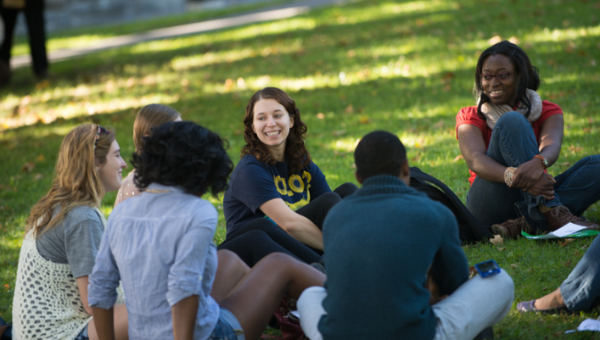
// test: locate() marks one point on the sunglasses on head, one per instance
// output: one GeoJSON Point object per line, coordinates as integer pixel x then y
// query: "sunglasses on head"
{"type": "Point", "coordinates": [99, 130]}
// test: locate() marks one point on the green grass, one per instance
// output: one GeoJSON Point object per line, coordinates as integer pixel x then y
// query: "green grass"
{"type": "Point", "coordinates": [403, 66]}
{"type": "Point", "coordinates": [85, 36]}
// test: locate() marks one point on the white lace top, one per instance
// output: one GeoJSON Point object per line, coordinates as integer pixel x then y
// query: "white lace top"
{"type": "Point", "coordinates": [47, 303]}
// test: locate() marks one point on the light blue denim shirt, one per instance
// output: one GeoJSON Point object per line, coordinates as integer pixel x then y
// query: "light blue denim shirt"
{"type": "Point", "coordinates": [160, 246]}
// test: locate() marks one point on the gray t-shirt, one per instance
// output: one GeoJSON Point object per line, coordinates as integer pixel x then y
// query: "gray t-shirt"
{"type": "Point", "coordinates": [74, 241]}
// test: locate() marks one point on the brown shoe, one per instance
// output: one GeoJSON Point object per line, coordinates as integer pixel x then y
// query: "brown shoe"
{"type": "Point", "coordinates": [557, 217]}
{"type": "Point", "coordinates": [511, 228]}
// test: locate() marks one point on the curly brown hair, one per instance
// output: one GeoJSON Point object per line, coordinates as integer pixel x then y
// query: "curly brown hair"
{"type": "Point", "coordinates": [296, 154]}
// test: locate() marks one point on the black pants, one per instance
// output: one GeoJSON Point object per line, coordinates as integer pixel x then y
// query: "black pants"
{"type": "Point", "coordinates": [261, 237]}
{"type": "Point", "coordinates": [34, 15]}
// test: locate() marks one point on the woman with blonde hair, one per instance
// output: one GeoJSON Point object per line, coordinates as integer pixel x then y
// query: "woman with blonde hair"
{"type": "Point", "coordinates": [148, 117]}
{"type": "Point", "coordinates": [63, 234]}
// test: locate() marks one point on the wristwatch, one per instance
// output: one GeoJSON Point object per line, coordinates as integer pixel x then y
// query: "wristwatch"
{"type": "Point", "coordinates": [544, 160]}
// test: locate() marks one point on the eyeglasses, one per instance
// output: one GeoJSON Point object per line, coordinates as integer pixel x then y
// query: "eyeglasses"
{"type": "Point", "coordinates": [99, 130]}
{"type": "Point", "coordinates": [499, 76]}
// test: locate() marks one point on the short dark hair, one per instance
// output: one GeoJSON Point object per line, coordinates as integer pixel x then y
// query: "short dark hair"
{"type": "Point", "coordinates": [183, 154]}
{"type": "Point", "coordinates": [379, 153]}
{"type": "Point", "coordinates": [529, 77]}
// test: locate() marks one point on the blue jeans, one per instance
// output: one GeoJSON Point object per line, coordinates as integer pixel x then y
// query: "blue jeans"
{"type": "Point", "coordinates": [83, 335]}
{"type": "Point", "coordinates": [581, 290]}
{"type": "Point", "coordinates": [227, 328]}
{"type": "Point", "coordinates": [512, 144]}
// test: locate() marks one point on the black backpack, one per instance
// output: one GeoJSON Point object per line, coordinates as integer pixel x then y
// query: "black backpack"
{"type": "Point", "coordinates": [470, 229]}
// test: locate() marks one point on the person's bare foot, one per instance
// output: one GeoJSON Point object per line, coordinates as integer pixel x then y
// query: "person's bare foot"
{"type": "Point", "coordinates": [550, 301]}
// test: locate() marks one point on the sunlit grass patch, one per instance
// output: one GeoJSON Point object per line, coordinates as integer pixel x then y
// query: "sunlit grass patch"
{"type": "Point", "coordinates": [402, 66]}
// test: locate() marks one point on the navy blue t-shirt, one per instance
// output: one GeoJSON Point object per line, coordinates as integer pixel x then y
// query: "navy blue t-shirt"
{"type": "Point", "coordinates": [254, 182]}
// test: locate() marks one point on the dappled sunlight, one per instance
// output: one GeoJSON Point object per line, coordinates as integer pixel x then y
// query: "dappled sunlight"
{"type": "Point", "coordinates": [47, 114]}
{"type": "Point", "coordinates": [39, 132]}
{"type": "Point", "coordinates": [229, 56]}
{"type": "Point", "coordinates": [54, 44]}
{"type": "Point", "coordinates": [562, 35]}
{"type": "Point", "coordinates": [344, 144]}
{"type": "Point", "coordinates": [252, 31]}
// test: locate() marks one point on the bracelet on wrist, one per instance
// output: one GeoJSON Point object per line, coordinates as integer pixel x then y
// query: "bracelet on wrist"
{"type": "Point", "coordinates": [508, 175]}
{"type": "Point", "coordinates": [543, 159]}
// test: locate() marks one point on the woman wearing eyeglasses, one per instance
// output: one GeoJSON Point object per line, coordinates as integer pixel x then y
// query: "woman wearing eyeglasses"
{"type": "Point", "coordinates": [63, 234]}
{"type": "Point", "coordinates": [509, 139]}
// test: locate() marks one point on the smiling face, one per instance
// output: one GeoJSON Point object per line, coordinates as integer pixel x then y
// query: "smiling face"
{"type": "Point", "coordinates": [500, 91]}
{"type": "Point", "coordinates": [272, 123]}
{"type": "Point", "coordinates": [111, 171]}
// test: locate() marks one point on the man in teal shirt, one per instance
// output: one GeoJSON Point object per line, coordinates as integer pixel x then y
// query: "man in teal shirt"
{"type": "Point", "coordinates": [380, 245]}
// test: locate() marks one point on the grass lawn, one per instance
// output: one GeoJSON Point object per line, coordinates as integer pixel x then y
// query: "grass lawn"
{"type": "Point", "coordinates": [403, 66]}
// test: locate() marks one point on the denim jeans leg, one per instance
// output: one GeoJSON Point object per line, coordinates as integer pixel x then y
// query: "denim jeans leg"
{"type": "Point", "coordinates": [582, 286]}
{"type": "Point", "coordinates": [579, 187]}
{"type": "Point", "coordinates": [512, 144]}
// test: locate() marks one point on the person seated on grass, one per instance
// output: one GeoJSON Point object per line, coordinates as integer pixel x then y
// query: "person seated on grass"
{"type": "Point", "coordinates": [156, 114]}
{"type": "Point", "coordinates": [579, 292]}
{"type": "Point", "coordinates": [63, 234]}
{"type": "Point", "coordinates": [508, 140]}
{"type": "Point", "coordinates": [181, 291]}
{"type": "Point", "coordinates": [148, 117]}
{"type": "Point", "coordinates": [276, 178]}
{"type": "Point", "coordinates": [381, 243]}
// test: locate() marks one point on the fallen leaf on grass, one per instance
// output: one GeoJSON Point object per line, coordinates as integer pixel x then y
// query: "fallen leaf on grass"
{"type": "Point", "coordinates": [349, 109]}
{"type": "Point", "coordinates": [545, 288]}
{"type": "Point", "coordinates": [567, 264]}
{"type": "Point", "coordinates": [320, 115]}
{"type": "Point", "coordinates": [364, 119]}
{"type": "Point", "coordinates": [496, 240]}
{"type": "Point", "coordinates": [27, 167]}
{"type": "Point", "coordinates": [42, 85]}
{"type": "Point", "coordinates": [40, 158]}
{"type": "Point", "coordinates": [456, 159]}
{"type": "Point", "coordinates": [584, 247]}
{"type": "Point", "coordinates": [37, 177]}
{"type": "Point", "coordinates": [513, 265]}
{"type": "Point", "coordinates": [501, 248]}
{"type": "Point", "coordinates": [577, 252]}
{"type": "Point", "coordinates": [338, 132]}
{"type": "Point", "coordinates": [566, 242]}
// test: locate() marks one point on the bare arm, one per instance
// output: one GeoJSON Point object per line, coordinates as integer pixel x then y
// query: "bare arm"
{"type": "Point", "coordinates": [472, 147]}
{"type": "Point", "coordinates": [531, 172]}
{"type": "Point", "coordinates": [184, 318]}
{"type": "Point", "coordinates": [82, 284]}
{"type": "Point", "coordinates": [551, 138]}
{"type": "Point", "coordinates": [298, 226]}
{"type": "Point", "coordinates": [104, 322]}
{"type": "Point", "coordinates": [103, 318]}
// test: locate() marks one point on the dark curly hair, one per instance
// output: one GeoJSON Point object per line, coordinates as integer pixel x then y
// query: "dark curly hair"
{"type": "Point", "coordinates": [528, 74]}
{"type": "Point", "coordinates": [183, 154]}
{"type": "Point", "coordinates": [295, 151]}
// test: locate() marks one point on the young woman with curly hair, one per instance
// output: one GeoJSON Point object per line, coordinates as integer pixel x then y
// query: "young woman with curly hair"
{"type": "Point", "coordinates": [276, 187]}
{"type": "Point", "coordinates": [63, 235]}
{"type": "Point", "coordinates": [508, 140]}
{"type": "Point", "coordinates": [182, 291]}
{"type": "Point", "coordinates": [148, 117]}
